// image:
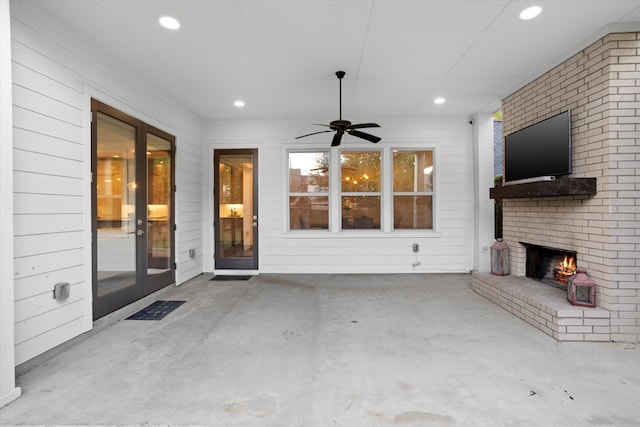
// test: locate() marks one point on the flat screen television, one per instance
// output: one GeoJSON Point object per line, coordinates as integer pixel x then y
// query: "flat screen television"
{"type": "Point", "coordinates": [540, 150]}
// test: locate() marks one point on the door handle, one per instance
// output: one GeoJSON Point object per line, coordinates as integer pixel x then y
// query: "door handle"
{"type": "Point", "coordinates": [140, 232]}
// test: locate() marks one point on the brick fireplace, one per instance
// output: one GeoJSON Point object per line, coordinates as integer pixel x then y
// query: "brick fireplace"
{"type": "Point", "coordinates": [600, 85]}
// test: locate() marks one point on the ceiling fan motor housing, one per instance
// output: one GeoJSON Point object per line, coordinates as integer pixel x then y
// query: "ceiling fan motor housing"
{"type": "Point", "coordinates": [337, 124]}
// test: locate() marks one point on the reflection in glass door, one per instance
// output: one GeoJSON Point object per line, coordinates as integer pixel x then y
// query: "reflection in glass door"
{"type": "Point", "coordinates": [236, 213]}
{"type": "Point", "coordinates": [115, 186]}
{"type": "Point", "coordinates": [133, 205]}
{"type": "Point", "coordinates": [158, 202]}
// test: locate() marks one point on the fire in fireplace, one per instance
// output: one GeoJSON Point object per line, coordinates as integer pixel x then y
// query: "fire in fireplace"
{"type": "Point", "coordinates": [551, 266]}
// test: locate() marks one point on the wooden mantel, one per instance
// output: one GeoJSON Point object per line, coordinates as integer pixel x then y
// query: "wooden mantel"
{"type": "Point", "coordinates": [560, 187]}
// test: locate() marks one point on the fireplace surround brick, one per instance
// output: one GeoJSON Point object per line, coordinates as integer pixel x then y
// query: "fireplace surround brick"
{"type": "Point", "coordinates": [601, 87]}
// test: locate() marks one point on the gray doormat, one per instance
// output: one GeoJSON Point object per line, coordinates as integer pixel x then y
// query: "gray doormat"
{"type": "Point", "coordinates": [156, 311]}
{"type": "Point", "coordinates": [227, 278]}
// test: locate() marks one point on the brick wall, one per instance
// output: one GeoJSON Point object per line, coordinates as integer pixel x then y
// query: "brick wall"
{"type": "Point", "coordinates": [601, 87]}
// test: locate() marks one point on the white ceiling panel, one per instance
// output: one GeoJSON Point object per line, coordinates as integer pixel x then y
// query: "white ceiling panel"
{"type": "Point", "coordinates": [512, 47]}
{"type": "Point", "coordinates": [418, 39]}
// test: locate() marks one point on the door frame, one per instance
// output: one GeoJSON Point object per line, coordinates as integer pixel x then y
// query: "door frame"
{"type": "Point", "coordinates": [144, 285]}
{"type": "Point", "coordinates": [235, 263]}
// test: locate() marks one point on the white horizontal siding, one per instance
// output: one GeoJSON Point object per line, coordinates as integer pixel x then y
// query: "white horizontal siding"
{"type": "Point", "coordinates": [28, 140]}
{"type": "Point", "coordinates": [34, 224]}
{"type": "Point", "coordinates": [36, 244]}
{"type": "Point", "coordinates": [49, 314]}
{"type": "Point", "coordinates": [448, 249]}
{"type": "Point", "coordinates": [54, 76]}
{"type": "Point", "coordinates": [45, 125]}
{"type": "Point", "coordinates": [30, 99]}
{"type": "Point", "coordinates": [190, 206]}
{"type": "Point", "coordinates": [29, 204]}
{"type": "Point", "coordinates": [43, 182]}
{"type": "Point", "coordinates": [65, 329]}
{"type": "Point", "coordinates": [40, 284]}
{"type": "Point", "coordinates": [28, 161]}
{"type": "Point", "coordinates": [47, 262]}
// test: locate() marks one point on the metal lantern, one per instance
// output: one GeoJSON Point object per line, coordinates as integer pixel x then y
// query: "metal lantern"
{"type": "Point", "coordinates": [500, 258]}
{"type": "Point", "coordinates": [581, 290]}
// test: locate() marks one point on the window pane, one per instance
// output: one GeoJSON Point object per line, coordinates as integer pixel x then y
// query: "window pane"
{"type": "Point", "coordinates": [412, 212]}
{"type": "Point", "coordinates": [308, 172]}
{"type": "Point", "coordinates": [361, 212]}
{"type": "Point", "coordinates": [158, 202]}
{"type": "Point", "coordinates": [360, 171]}
{"type": "Point", "coordinates": [413, 171]}
{"type": "Point", "coordinates": [115, 204]}
{"type": "Point", "coordinates": [309, 212]}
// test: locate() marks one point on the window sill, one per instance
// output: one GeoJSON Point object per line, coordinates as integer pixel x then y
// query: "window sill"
{"type": "Point", "coordinates": [360, 234]}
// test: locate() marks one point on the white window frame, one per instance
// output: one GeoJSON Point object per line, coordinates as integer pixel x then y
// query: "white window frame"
{"type": "Point", "coordinates": [290, 193]}
{"type": "Point", "coordinates": [335, 192]}
{"type": "Point", "coordinates": [431, 193]}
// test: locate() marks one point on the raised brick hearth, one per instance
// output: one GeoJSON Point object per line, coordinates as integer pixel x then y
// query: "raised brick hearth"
{"type": "Point", "coordinates": [544, 307]}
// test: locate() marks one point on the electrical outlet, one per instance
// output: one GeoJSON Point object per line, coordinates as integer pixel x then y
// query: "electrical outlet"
{"type": "Point", "coordinates": [415, 247]}
{"type": "Point", "coordinates": [61, 290]}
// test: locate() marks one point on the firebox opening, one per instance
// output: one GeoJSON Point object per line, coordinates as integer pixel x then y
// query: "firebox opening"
{"type": "Point", "coordinates": [551, 266]}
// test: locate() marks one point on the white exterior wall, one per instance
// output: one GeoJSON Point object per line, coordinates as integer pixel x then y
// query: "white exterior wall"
{"type": "Point", "coordinates": [450, 248]}
{"type": "Point", "coordinates": [54, 78]}
{"type": "Point", "coordinates": [8, 389]}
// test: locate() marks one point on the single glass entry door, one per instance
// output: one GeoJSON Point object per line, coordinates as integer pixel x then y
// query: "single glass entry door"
{"type": "Point", "coordinates": [236, 213]}
{"type": "Point", "coordinates": [133, 209]}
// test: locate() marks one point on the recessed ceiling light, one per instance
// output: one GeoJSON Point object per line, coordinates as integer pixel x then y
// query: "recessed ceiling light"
{"type": "Point", "coordinates": [239, 103]}
{"type": "Point", "coordinates": [169, 22]}
{"type": "Point", "coordinates": [530, 12]}
{"type": "Point", "coordinates": [439, 101]}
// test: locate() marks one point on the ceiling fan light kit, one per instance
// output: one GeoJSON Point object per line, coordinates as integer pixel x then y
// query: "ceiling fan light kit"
{"type": "Point", "coordinates": [341, 126]}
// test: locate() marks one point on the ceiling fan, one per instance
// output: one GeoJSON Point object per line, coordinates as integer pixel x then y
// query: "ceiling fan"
{"type": "Point", "coordinates": [341, 126]}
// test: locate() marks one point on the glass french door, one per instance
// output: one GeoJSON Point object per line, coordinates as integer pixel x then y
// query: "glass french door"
{"type": "Point", "coordinates": [236, 209]}
{"type": "Point", "coordinates": [133, 209]}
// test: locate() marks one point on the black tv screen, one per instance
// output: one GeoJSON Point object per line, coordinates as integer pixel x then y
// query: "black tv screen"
{"type": "Point", "coordinates": [542, 149]}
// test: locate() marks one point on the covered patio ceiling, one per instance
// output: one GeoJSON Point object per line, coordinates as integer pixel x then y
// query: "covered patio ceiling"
{"type": "Point", "coordinates": [280, 56]}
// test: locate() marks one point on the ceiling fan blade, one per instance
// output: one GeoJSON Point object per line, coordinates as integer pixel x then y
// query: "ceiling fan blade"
{"type": "Point", "coordinates": [368, 137]}
{"type": "Point", "coordinates": [364, 125]}
{"type": "Point", "coordinates": [314, 133]}
{"type": "Point", "coordinates": [336, 139]}
{"type": "Point", "coordinates": [320, 124]}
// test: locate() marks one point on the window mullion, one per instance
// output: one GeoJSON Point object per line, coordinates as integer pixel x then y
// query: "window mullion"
{"type": "Point", "coordinates": [387, 189]}
{"type": "Point", "coordinates": [334, 191]}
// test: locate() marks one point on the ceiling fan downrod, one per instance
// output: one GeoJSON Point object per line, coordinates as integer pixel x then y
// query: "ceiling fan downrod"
{"type": "Point", "coordinates": [340, 75]}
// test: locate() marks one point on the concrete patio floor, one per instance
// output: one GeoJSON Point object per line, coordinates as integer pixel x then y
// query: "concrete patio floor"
{"type": "Point", "coordinates": [331, 350]}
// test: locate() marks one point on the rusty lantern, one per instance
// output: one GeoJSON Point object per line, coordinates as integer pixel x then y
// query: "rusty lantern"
{"type": "Point", "coordinates": [581, 290]}
{"type": "Point", "coordinates": [500, 258]}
